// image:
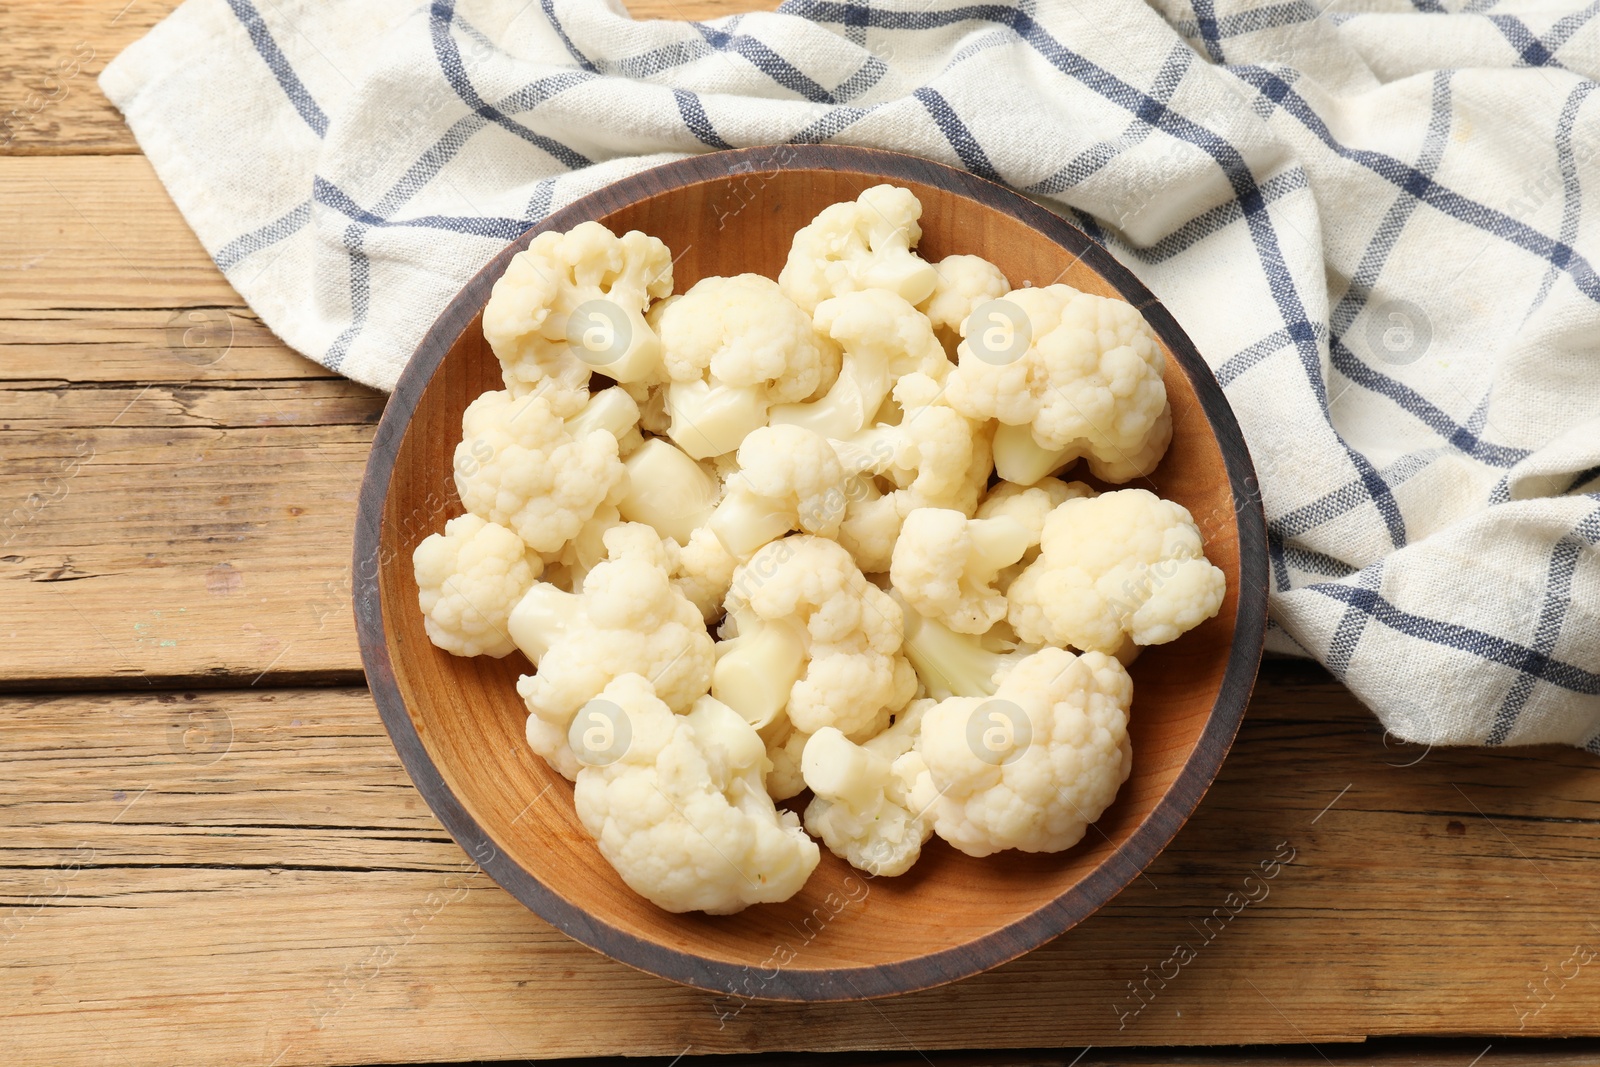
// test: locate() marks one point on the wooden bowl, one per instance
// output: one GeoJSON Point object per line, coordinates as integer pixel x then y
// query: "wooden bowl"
{"type": "Point", "coordinates": [458, 723]}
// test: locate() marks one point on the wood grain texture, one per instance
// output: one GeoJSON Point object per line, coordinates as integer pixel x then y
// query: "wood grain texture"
{"type": "Point", "coordinates": [176, 487]}
{"type": "Point", "coordinates": [52, 52]}
{"type": "Point", "coordinates": [458, 723]}
{"type": "Point", "coordinates": [249, 861]}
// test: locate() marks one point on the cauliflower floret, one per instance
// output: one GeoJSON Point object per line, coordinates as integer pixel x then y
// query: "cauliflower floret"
{"type": "Point", "coordinates": [573, 303]}
{"type": "Point", "coordinates": [785, 748]}
{"type": "Point", "coordinates": [1086, 384]}
{"type": "Point", "coordinates": [872, 521]}
{"type": "Point", "coordinates": [668, 491]}
{"type": "Point", "coordinates": [861, 244]}
{"type": "Point", "coordinates": [1029, 505]}
{"type": "Point", "coordinates": [541, 480]}
{"type": "Point", "coordinates": [862, 808]}
{"type": "Point", "coordinates": [963, 665]}
{"type": "Point", "coordinates": [682, 814]}
{"type": "Point", "coordinates": [468, 579]}
{"type": "Point", "coordinates": [929, 449]}
{"type": "Point", "coordinates": [811, 637]}
{"type": "Point", "coordinates": [733, 348]}
{"type": "Point", "coordinates": [789, 479]}
{"type": "Point", "coordinates": [629, 618]}
{"type": "Point", "coordinates": [1032, 766]}
{"type": "Point", "coordinates": [945, 566]}
{"type": "Point", "coordinates": [1122, 564]}
{"type": "Point", "coordinates": [883, 338]}
{"type": "Point", "coordinates": [575, 559]}
{"type": "Point", "coordinates": [939, 459]}
{"type": "Point", "coordinates": [705, 571]}
{"type": "Point", "coordinates": [965, 282]}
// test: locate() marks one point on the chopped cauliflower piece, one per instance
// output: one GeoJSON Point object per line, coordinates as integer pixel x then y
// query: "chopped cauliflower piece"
{"type": "Point", "coordinates": [1031, 766]}
{"type": "Point", "coordinates": [573, 303]}
{"type": "Point", "coordinates": [682, 813]}
{"type": "Point", "coordinates": [468, 580]}
{"type": "Point", "coordinates": [1122, 564]}
{"type": "Point", "coordinates": [807, 629]}
{"type": "Point", "coordinates": [629, 618]}
{"type": "Point", "coordinates": [861, 806]}
{"type": "Point", "coordinates": [929, 449]}
{"type": "Point", "coordinates": [965, 283]}
{"type": "Point", "coordinates": [668, 491]}
{"type": "Point", "coordinates": [951, 664]}
{"type": "Point", "coordinates": [1029, 505]}
{"type": "Point", "coordinates": [785, 747]}
{"type": "Point", "coordinates": [939, 459]}
{"type": "Point", "coordinates": [1086, 383]}
{"type": "Point", "coordinates": [945, 565]}
{"type": "Point", "coordinates": [705, 571]}
{"type": "Point", "coordinates": [540, 480]}
{"type": "Point", "coordinates": [789, 479]}
{"type": "Point", "coordinates": [733, 348]}
{"type": "Point", "coordinates": [861, 244]}
{"type": "Point", "coordinates": [883, 337]}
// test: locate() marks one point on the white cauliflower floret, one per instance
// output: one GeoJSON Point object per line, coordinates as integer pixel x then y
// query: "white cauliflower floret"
{"type": "Point", "coordinates": [668, 491]}
{"type": "Point", "coordinates": [861, 244]}
{"type": "Point", "coordinates": [682, 813]}
{"type": "Point", "coordinates": [785, 748]}
{"type": "Point", "coordinates": [733, 348]}
{"type": "Point", "coordinates": [964, 665]}
{"type": "Point", "coordinates": [883, 338]}
{"type": "Point", "coordinates": [1120, 565]}
{"type": "Point", "coordinates": [789, 479]}
{"type": "Point", "coordinates": [1029, 505]}
{"type": "Point", "coordinates": [862, 808]}
{"type": "Point", "coordinates": [573, 303]}
{"type": "Point", "coordinates": [577, 557]}
{"type": "Point", "coordinates": [468, 580]}
{"type": "Point", "coordinates": [1032, 766]}
{"type": "Point", "coordinates": [629, 618]}
{"type": "Point", "coordinates": [929, 449]}
{"type": "Point", "coordinates": [945, 566]}
{"type": "Point", "coordinates": [705, 571]}
{"type": "Point", "coordinates": [938, 458]}
{"type": "Point", "coordinates": [1087, 384]}
{"type": "Point", "coordinates": [872, 522]}
{"type": "Point", "coordinates": [812, 638]}
{"type": "Point", "coordinates": [965, 283]}
{"type": "Point", "coordinates": [541, 480]}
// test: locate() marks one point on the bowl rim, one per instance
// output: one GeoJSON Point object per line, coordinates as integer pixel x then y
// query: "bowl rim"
{"type": "Point", "coordinates": [999, 946]}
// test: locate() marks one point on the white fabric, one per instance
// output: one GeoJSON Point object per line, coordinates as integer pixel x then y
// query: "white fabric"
{"type": "Point", "coordinates": [1372, 222]}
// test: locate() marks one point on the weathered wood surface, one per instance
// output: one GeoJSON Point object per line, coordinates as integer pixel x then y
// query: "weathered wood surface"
{"type": "Point", "coordinates": [178, 488]}
{"type": "Point", "coordinates": [246, 875]}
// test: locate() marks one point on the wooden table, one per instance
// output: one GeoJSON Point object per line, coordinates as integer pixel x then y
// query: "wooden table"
{"type": "Point", "coordinates": [210, 854]}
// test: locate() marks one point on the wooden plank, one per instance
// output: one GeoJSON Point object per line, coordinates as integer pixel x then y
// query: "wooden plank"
{"type": "Point", "coordinates": [168, 548]}
{"type": "Point", "coordinates": [176, 487]}
{"type": "Point", "coordinates": [101, 280]}
{"type": "Point", "coordinates": [50, 56]}
{"type": "Point", "coordinates": [52, 52]}
{"type": "Point", "coordinates": [244, 877]}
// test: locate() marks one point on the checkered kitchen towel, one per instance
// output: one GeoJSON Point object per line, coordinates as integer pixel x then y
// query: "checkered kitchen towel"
{"type": "Point", "coordinates": [1380, 223]}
